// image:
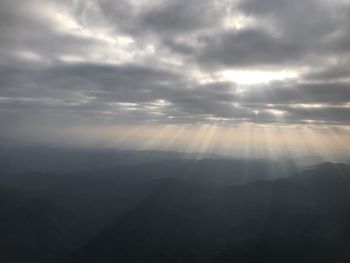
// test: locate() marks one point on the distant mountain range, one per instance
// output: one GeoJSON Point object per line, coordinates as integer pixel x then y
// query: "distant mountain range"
{"type": "Point", "coordinates": [29, 158]}
{"type": "Point", "coordinates": [161, 207]}
{"type": "Point", "coordinates": [300, 219]}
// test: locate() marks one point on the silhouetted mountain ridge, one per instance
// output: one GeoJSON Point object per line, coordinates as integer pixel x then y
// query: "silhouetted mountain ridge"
{"type": "Point", "coordinates": [176, 210]}
{"type": "Point", "coordinates": [287, 220]}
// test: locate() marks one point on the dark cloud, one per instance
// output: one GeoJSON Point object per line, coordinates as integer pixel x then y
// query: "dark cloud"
{"type": "Point", "coordinates": [285, 33]}
{"type": "Point", "coordinates": [332, 73]}
{"type": "Point", "coordinates": [293, 93]}
{"type": "Point", "coordinates": [130, 91]}
{"type": "Point", "coordinates": [250, 47]}
{"type": "Point", "coordinates": [157, 61]}
{"type": "Point", "coordinates": [163, 17]}
{"type": "Point", "coordinates": [309, 20]}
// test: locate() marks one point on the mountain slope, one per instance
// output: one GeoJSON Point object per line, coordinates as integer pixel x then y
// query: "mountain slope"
{"type": "Point", "coordinates": [301, 219]}
{"type": "Point", "coordinates": [32, 229]}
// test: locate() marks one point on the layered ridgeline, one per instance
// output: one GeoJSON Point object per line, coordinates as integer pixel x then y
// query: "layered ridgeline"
{"type": "Point", "coordinates": [168, 207]}
{"type": "Point", "coordinates": [301, 219]}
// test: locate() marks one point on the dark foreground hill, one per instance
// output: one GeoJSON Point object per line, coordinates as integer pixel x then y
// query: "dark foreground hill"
{"type": "Point", "coordinates": [300, 219]}
{"type": "Point", "coordinates": [177, 211]}
{"type": "Point", "coordinates": [32, 229]}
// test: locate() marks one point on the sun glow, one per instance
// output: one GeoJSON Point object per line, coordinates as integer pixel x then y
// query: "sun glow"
{"type": "Point", "coordinates": [256, 77]}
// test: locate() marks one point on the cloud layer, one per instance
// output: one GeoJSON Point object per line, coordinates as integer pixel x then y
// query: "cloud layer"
{"type": "Point", "coordinates": [128, 61]}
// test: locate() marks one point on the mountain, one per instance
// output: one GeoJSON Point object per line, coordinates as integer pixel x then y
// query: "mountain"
{"type": "Point", "coordinates": [33, 229]}
{"type": "Point", "coordinates": [42, 220]}
{"type": "Point", "coordinates": [172, 210]}
{"type": "Point", "coordinates": [24, 159]}
{"type": "Point", "coordinates": [301, 219]}
{"type": "Point", "coordinates": [205, 171]}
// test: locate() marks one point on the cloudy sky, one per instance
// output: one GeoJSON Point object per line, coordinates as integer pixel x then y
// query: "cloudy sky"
{"type": "Point", "coordinates": [155, 72]}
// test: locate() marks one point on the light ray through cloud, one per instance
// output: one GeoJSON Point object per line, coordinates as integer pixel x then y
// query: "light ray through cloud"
{"type": "Point", "coordinates": [177, 74]}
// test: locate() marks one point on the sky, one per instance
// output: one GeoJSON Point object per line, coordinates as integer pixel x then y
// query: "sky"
{"type": "Point", "coordinates": [253, 77]}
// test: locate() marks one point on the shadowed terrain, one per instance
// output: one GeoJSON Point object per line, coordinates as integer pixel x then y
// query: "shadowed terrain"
{"type": "Point", "coordinates": [174, 210]}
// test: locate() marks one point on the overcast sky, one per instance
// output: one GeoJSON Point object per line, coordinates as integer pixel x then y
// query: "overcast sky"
{"type": "Point", "coordinates": [174, 62]}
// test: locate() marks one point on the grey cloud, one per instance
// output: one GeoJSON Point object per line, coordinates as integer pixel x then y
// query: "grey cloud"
{"type": "Point", "coordinates": [291, 33]}
{"type": "Point", "coordinates": [292, 93]}
{"type": "Point", "coordinates": [26, 27]}
{"type": "Point", "coordinates": [251, 47]}
{"type": "Point", "coordinates": [335, 73]}
{"type": "Point", "coordinates": [93, 89]}
{"type": "Point", "coordinates": [163, 17]}
{"type": "Point", "coordinates": [286, 33]}
{"type": "Point", "coordinates": [306, 19]}
{"type": "Point", "coordinates": [326, 114]}
{"type": "Point", "coordinates": [181, 16]}
{"type": "Point", "coordinates": [119, 83]}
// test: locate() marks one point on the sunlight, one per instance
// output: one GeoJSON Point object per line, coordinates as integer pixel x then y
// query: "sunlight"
{"type": "Point", "coordinates": [256, 77]}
